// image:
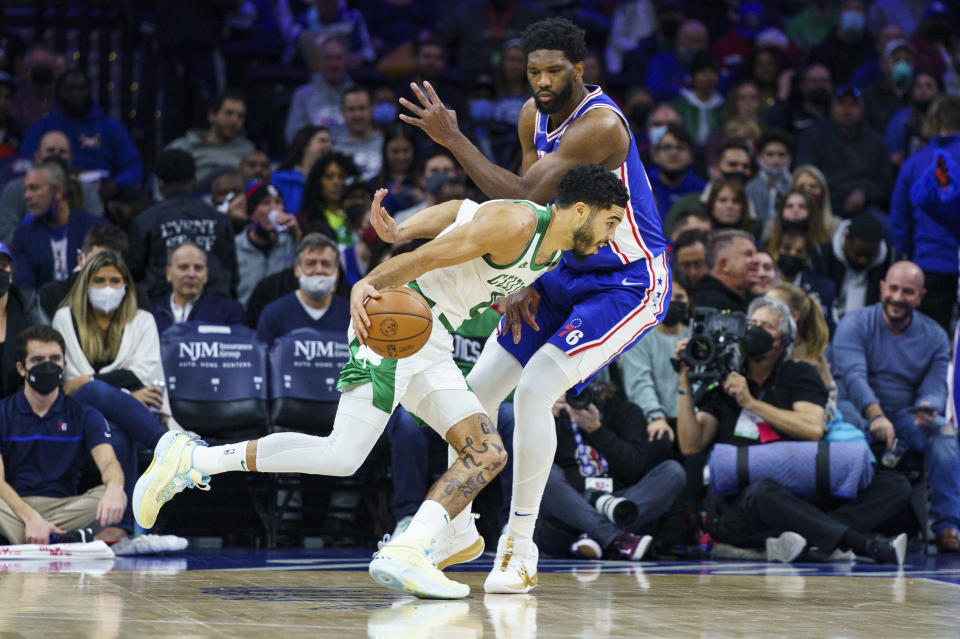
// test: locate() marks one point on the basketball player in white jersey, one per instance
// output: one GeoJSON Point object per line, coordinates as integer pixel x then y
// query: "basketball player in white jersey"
{"type": "Point", "coordinates": [583, 314]}
{"type": "Point", "coordinates": [478, 253]}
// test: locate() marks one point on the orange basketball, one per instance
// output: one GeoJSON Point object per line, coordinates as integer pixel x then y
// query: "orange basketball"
{"type": "Point", "coordinates": [400, 322]}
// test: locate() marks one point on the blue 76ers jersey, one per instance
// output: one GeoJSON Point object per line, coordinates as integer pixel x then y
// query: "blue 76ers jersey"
{"type": "Point", "coordinates": [640, 236]}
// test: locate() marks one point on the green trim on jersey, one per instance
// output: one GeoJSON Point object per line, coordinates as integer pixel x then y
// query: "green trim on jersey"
{"type": "Point", "coordinates": [443, 320]}
{"type": "Point", "coordinates": [543, 221]}
{"type": "Point", "coordinates": [361, 371]}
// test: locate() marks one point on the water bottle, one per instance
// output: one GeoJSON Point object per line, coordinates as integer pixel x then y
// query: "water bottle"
{"type": "Point", "coordinates": [161, 384]}
{"type": "Point", "coordinates": [892, 457]}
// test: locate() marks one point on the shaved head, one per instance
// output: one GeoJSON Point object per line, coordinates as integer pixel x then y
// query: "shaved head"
{"type": "Point", "coordinates": [901, 292]}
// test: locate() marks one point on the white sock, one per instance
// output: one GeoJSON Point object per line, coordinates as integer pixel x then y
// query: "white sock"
{"type": "Point", "coordinates": [430, 519]}
{"type": "Point", "coordinates": [220, 459]}
{"type": "Point", "coordinates": [544, 379]}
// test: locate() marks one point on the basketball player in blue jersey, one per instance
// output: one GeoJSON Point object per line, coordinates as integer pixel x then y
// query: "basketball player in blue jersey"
{"type": "Point", "coordinates": [586, 312]}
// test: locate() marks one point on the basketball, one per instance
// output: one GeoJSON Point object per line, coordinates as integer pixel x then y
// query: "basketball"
{"type": "Point", "coordinates": [400, 322]}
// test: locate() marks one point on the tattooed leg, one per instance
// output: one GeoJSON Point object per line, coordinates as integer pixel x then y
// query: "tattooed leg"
{"type": "Point", "coordinates": [481, 457]}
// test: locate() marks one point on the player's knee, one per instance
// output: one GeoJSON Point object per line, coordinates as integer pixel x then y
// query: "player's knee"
{"type": "Point", "coordinates": [495, 457]}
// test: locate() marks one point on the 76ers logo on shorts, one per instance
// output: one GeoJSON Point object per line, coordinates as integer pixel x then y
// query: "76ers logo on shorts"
{"type": "Point", "coordinates": [570, 333]}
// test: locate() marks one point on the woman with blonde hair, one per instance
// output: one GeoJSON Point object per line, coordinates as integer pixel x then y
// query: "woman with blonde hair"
{"type": "Point", "coordinates": [113, 362]}
{"type": "Point", "coordinates": [809, 178]}
{"type": "Point", "coordinates": [813, 336]}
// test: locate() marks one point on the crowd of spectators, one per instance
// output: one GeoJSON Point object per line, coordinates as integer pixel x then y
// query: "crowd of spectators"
{"type": "Point", "coordinates": [782, 142]}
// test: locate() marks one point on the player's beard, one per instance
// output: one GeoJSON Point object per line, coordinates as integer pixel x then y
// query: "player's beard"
{"type": "Point", "coordinates": [560, 98]}
{"type": "Point", "coordinates": [583, 241]}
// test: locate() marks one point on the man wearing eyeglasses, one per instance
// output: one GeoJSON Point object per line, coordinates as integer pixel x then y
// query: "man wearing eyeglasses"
{"type": "Point", "coordinates": [671, 176]}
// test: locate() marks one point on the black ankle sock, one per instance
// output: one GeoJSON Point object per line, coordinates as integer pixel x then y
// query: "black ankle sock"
{"type": "Point", "coordinates": [857, 542]}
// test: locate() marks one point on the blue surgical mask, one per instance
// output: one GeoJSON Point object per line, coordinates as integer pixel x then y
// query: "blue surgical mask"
{"type": "Point", "coordinates": [654, 133]}
{"type": "Point", "coordinates": [852, 23]}
{"type": "Point", "coordinates": [481, 111]}
{"type": "Point", "coordinates": [901, 72]}
{"type": "Point", "coordinates": [384, 113]}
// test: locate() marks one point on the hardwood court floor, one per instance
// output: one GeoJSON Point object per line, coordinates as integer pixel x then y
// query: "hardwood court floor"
{"type": "Point", "coordinates": [314, 594]}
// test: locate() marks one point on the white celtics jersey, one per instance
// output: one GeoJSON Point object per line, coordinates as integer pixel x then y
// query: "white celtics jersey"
{"type": "Point", "coordinates": [463, 291]}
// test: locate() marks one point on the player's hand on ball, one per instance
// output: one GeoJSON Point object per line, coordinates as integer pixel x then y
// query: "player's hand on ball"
{"type": "Point", "coordinates": [359, 294]}
{"type": "Point", "coordinates": [382, 222]}
{"type": "Point", "coordinates": [521, 305]}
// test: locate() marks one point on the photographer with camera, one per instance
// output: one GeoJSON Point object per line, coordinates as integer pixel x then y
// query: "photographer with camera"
{"type": "Point", "coordinates": [775, 399]}
{"type": "Point", "coordinates": [607, 478]}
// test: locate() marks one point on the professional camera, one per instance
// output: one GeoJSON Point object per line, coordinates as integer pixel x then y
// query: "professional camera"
{"type": "Point", "coordinates": [715, 348]}
{"type": "Point", "coordinates": [592, 394]}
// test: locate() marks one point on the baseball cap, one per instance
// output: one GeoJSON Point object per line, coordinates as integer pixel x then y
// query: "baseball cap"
{"type": "Point", "coordinates": [848, 91]}
{"type": "Point", "coordinates": [893, 45]}
{"type": "Point", "coordinates": [5, 250]}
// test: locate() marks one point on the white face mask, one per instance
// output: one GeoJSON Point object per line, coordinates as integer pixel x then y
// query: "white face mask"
{"type": "Point", "coordinates": [106, 299]}
{"type": "Point", "coordinates": [317, 286]}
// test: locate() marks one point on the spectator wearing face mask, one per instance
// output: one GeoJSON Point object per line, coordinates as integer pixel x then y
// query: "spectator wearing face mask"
{"type": "Point", "coordinates": [805, 107]}
{"type": "Point", "coordinates": [667, 72]}
{"type": "Point", "coordinates": [671, 176]}
{"type": "Point", "coordinates": [793, 266]}
{"type": "Point", "coordinates": [849, 44]}
{"type": "Point", "coordinates": [773, 177]}
{"type": "Point", "coordinates": [313, 304]}
{"type": "Point", "coordinates": [888, 95]}
{"type": "Point", "coordinates": [799, 213]}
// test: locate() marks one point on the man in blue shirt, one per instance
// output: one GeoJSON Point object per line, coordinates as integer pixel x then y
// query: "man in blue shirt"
{"type": "Point", "coordinates": [44, 437]}
{"type": "Point", "coordinates": [671, 176]}
{"type": "Point", "coordinates": [100, 143]}
{"type": "Point", "coordinates": [890, 363]}
{"type": "Point", "coordinates": [918, 235]}
{"type": "Point", "coordinates": [313, 304]}
{"type": "Point", "coordinates": [45, 245]}
{"type": "Point", "coordinates": [190, 301]}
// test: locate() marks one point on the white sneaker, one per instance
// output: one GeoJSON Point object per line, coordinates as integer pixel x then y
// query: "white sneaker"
{"type": "Point", "coordinates": [169, 473]}
{"type": "Point", "coordinates": [515, 568]}
{"type": "Point", "coordinates": [149, 545]}
{"type": "Point", "coordinates": [786, 547]}
{"type": "Point", "coordinates": [404, 564]}
{"type": "Point", "coordinates": [586, 547]}
{"type": "Point", "coordinates": [462, 546]}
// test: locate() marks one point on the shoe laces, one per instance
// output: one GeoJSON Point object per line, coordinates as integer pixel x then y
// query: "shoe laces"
{"type": "Point", "coordinates": [189, 478]}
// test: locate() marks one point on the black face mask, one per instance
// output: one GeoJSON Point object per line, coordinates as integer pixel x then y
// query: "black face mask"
{"type": "Point", "coordinates": [819, 98]}
{"type": "Point", "coordinates": [41, 75]}
{"type": "Point", "coordinates": [677, 313]}
{"type": "Point", "coordinates": [673, 174]}
{"type": "Point", "coordinates": [757, 343]}
{"type": "Point", "coordinates": [45, 378]}
{"type": "Point", "coordinates": [789, 265]}
{"type": "Point", "coordinates": [4, 282]}
{"type": "Point", "coordinates": [801, 226]}
{"type": "Point", "coordinates": [738, 176]}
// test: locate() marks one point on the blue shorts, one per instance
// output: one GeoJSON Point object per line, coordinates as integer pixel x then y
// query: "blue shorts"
{"type": "Point", "coordinates": [594, 316]}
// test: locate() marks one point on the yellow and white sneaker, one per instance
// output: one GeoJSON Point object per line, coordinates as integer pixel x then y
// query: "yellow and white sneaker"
{"type": "Point", "coordinates": [169, 473]}
{"type": "Point", "coordinates": [424, 620]}
{"type": "Point", "coordinates": [460, 547]}
{"type": "Point", "coordinates": [404, 564]}
{"type": "Point", "coordinates": [515, 568]}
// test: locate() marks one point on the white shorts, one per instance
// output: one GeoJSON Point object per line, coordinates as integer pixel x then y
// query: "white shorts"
{"type": "Point", "coordinates": [412, 380]}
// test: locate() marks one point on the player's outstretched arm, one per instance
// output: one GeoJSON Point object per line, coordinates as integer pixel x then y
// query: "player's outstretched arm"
{"type": "Point", "coordinates": [493, 233]}
{"type": "Point", "coordinates": [427, 223]}
{"type": "Point", "coordinates": [598, 137]}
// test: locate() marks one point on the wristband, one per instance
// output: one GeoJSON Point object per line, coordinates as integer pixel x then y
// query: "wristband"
{"type": "Point", "coordinates": [683, 392]}
{"type": "Point", "coordinates": [876, 417]}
